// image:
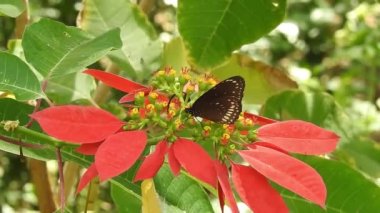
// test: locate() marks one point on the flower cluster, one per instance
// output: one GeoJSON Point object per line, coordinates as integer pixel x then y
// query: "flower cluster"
{"type": "Point", "coordinates": [250, 152]}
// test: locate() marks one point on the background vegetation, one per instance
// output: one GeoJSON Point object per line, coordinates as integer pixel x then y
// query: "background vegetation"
{"type": "Point", "coordinates": [329, 49]}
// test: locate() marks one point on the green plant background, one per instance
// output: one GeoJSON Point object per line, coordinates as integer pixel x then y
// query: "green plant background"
{"type": "Point", "coordinates": [320, 64]}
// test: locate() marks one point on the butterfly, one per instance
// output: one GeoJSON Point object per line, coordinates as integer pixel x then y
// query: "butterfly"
{"type": "Point", "coordinates": [222, 103]}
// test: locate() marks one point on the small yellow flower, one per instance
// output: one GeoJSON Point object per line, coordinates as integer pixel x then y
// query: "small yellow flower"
{"type": "Point", "coordinates": [140, 94]}
{"type": "Point", "coordinates": [150, 107]}
{"type": "Point", "coordinates": [134, 111]}
{"type": "Point", "coordinates": [172, 72]}
{"type": "Point", "coordinates": [248, 122]}
{"type": "Point", "coordinates": [171, 113]}
{"type": "Point", "coordinates": [161, 72]}
{"type": "Point", "coordinates": [153, 95]}
{"type": "Point", "coordinates": [226, 136]}
{"type": "Point", "coordinates": [206, 128]}
{"type": "Point", "coordinates": [178, 123]}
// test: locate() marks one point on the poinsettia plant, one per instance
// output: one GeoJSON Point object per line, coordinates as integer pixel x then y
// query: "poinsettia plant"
{"type": "Point", "coordinates": [245, 156]}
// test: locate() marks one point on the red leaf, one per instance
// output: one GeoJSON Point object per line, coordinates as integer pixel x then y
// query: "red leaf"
{"type": "Point", "coordinates": [88, 148]}
{"type": "Point", "coordinates": [259, 120]}
{"type": "Point", "coordinates": [90, 174]}
{"type": "Point", "coordinates": [173, 162]}
{"type": "Point", "coordinates": [221, 197]}
{"type": "Point", "coordinates": [195, 160]}
{"type": "Point", "coordinates": [288, 172]}
{"type": "Point", "coordinates": [119, 152]}
{"type": "Point", "coordinates": [255, 190]}
{"type": "Point", "coordinates": [115, 81]}
{"type": "Point", "coordinates": [131, 96]}
{"type": "Point", "coordinates": [268, 145]}
{"type": "Point", "coordinates": [222, 174]}
{"type": "Point", "coordinates": [77, 124]}
{"type": "Point", "coordinates": [299, 137]}
{"type": "Point", "coordinates": [152, 162]}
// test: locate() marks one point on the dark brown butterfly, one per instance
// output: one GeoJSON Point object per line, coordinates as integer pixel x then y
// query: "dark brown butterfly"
{"type": "Point", "coordinates": [222, 103]}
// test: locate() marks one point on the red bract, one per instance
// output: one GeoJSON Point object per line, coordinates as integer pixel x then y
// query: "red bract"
{"type": "Point", "coordinates": [288, 172]}
{"type": "Point", "coordinates": [173, 162]}
{"type": "Point", "coordinates": [88, 148]}
{"type": "Point", "coordinates": [259, 120]}
{"type": "Point", "coordinates": [195, 160]}
{"type": "Point", "coordinates": [299, 137]}
{"type": "Point", "coordinates": [90, 174]}
{"type": "Point", "coordinates": [119, 152]}
{"type": "Point", "coordinates": [225, 187]}
{"type": "Point", "coordinates": [77, 124]}
{"type": "Point", "coordinates": [255, 190]}
{"type": "Point", "coordinates": [113, 156]}
{"type": "Point", "coordinates": [182, 152]}
{"type": "Point", "coordinates": [152, 162]}
{"type": "Point", "coordinates": [115, 81]}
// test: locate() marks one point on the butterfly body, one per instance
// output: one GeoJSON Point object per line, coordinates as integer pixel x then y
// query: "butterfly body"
{"type": "Point", "coordinates": [222, 103]}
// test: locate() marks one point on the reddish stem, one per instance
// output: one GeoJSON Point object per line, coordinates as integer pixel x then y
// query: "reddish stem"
{"type": "Point", "coordinates": [61, 179]}
{"type": "Point", "coordinates": [20, 143]}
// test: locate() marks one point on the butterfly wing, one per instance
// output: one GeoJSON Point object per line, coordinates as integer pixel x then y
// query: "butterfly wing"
{"type": "Point", "coordinates": [222, 103]}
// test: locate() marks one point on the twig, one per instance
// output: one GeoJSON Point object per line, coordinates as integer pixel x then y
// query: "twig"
{"type": "Point", "coordinates": [61, 179]}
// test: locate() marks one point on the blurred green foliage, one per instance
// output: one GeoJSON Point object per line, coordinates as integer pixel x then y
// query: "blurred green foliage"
{"type": "Point", "coordinates": [331, 46]}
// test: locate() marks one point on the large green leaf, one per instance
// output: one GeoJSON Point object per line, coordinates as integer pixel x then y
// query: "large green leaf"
{"type": "Point", "coordinates": [56, 50]}
{"type": "Point", "coordinates": [347, 190]}
{"type": "Point", "coordinates": [71, 87]}
{"type": "Point", "coordinates": [181, 191]}
{"type": "Point", "coordinates": [262, 81]}
{"type": "Point", "coordinates": [362, 154]}
{"type": "Point", "coordinates": [141, 47]}
{"type": "Point", "coordinates": [13, 110]}
{"type": "Point", "coordinates": [175, 54]}
{"type": "Point", "coordinates": [18, 78]}
{"type": "Point", "coordinates": [12, 8]}
{"type": "Point", "coordinates": [296, 104]}
{"type": "Point", "coordinates": [124, 201]}
{"type": "Point", "coordinates": [213, 29]}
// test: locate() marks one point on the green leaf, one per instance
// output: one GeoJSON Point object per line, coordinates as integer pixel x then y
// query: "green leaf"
{"type": "Point", "coordinates": [124, 201]}
{"type": "Point", "coordinates": [262, 81]}
{"type": "Point", "coordinates": [181, 191]}
{"type": "Point", "coordinates": [347, 190]}
{"type": "Point", "coordinates": [175, 54]}
{"type": "Point", "coordinates": [141, 47]}
{"type": "Point", "coordinates": [313, 107]}
{"type": "Point", "coordinates": [13, 110]}
{"type": "Point", "coordinates": [362, 154]}
{"type": "Point", "coordinates": [18, 78]}
{"type": "Point", "coordinates": [71, 87]}
{"type": "Point", "coordinates": [213, 29]}
{"type": "Point", "coordinates": [56, 50]}
{"type": "Point", "coordinates": [12, 8]}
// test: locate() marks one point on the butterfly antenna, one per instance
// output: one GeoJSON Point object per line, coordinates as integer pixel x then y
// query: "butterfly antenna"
{"type": "Point", "coordinates": [170, 100]}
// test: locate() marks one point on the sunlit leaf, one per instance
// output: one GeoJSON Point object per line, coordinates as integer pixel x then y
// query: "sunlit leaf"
{"type": "Point", "coordinates": [12, 8]}
{"type": "Point", "coordinates": [150, 201]}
